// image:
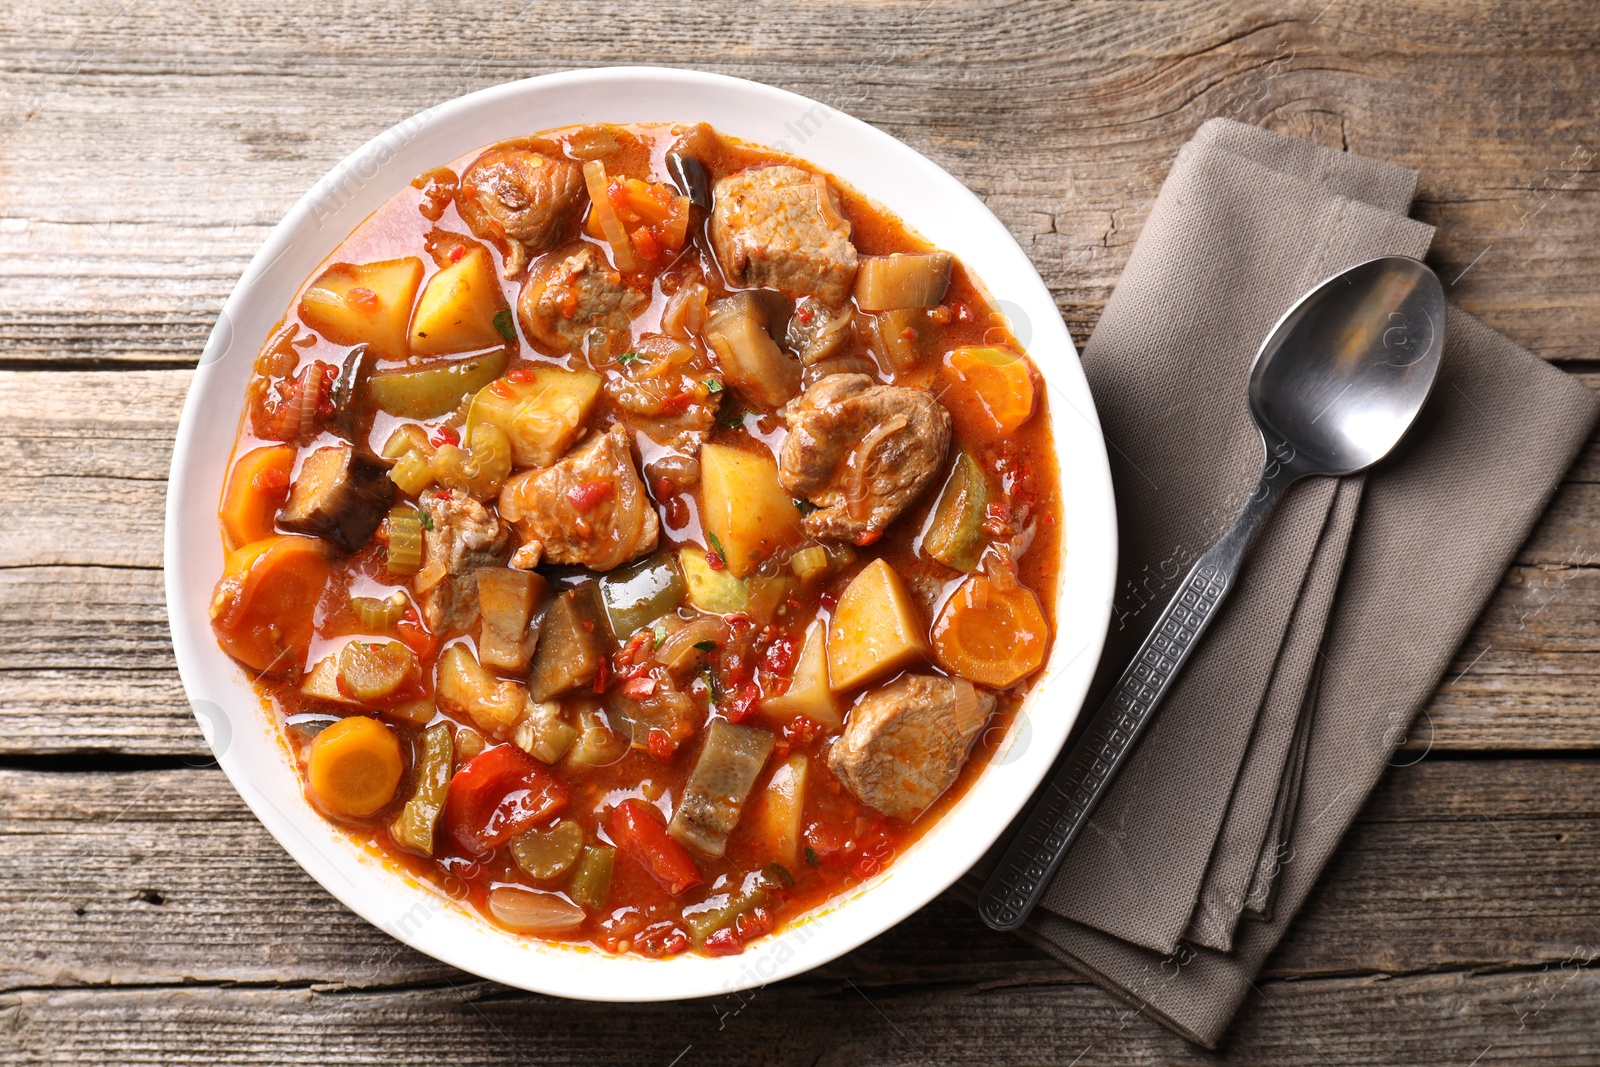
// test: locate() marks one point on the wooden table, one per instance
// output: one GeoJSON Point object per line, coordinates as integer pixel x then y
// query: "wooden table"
{"type": "Point", "coordinates": [146, 151]}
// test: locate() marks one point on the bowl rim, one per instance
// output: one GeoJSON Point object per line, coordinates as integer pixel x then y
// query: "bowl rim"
{"type": "Point", "coordinates": [247, 743]}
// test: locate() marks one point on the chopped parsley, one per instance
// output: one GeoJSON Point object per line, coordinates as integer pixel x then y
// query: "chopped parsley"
{"type": "Point", "coordinates": [706, 646]}
{"type": "Point", "coordinates": [502, 322]}
{"type": "Point", "coordinates": [425, 519]}
{"type": "Point", "coordinates": [713, 386]}
{"type": "Point", "coordinates": [812, 859]}
{"type": "Point", "coordinates": [730, 417]}
{"type": "Point", "coordinates": [716, 546]}
{"type": "Point", "coordinates": [712, 687]}
{"type": "Point", "coordinates": [804, 507]}
{"type": "Point", "coordinates": [628, 357]}
{"type": "Point", "coordinates": [661, 633]}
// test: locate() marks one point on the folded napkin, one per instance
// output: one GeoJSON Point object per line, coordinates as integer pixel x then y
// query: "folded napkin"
{"type": "Point", "coordinates": [1343, 620]}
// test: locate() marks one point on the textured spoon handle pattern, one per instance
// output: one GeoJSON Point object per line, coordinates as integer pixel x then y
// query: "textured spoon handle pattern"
{"type": "Point", "coordinates": [1062, 811]}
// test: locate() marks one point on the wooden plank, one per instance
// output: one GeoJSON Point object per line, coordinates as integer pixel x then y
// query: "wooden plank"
{"type": "Point", "coordinates": [164, 876]}
{"type": "Point", "coordinates": [1422, 1020]}
{"type": "Point", "coordinates": [1066, 130]}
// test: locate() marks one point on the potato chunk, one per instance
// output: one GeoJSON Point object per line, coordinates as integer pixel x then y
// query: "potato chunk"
{"type": "Point", "coordinates": [365, 303]}
{"type": "Point", "coordinates": [875, 629]}
{"type": "Point", "coordinates": [542, 416]}
{"type": "Point", "coordinates": [458, 309]}
{"type": "Point", "coordinates": [809, 693]}
{"type": "Point", "coordinates": [744, 506]}
{"type": "Point", "coordinates": [777, 819]}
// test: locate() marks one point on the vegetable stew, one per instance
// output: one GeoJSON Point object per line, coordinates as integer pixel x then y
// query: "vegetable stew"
{"type": "Point", "coordinates": [640, 535]}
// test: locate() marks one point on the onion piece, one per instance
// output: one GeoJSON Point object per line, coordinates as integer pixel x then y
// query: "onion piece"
{"type": "Point", "coordinates": [594, 176]}
{"type": "Point", "coordinates": [678, 649]}
{"type": "Point", "coordinates": [968, 717]}
{"type": "Point", "coordinates": [530, 912]}
{"type": "Point", "coordinates": [825, 201]}
{"type": "Point", "coordinates": [860, 459]}
{"type": "Point", "coordinates": [684, 317]}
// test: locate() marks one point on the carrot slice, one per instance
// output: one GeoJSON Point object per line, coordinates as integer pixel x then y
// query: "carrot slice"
{"type": "Point", "coordinates": [263, 608]}
{"type": "Point", "coordinates": [354, 767]}
{"type": "Point", "coordinates": [256, 490]}
{"type": "Point", "coordinates": [989, 391]}
{"type": "Point", "coordinates": [992, 636]}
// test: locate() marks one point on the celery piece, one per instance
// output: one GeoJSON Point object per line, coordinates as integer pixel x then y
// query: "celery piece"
{"type": "Point", "coordinates": [548, 853]}
{"type": "Point", "coordinates": [592, 880]}
{"type": "Point", "coordinates": [405, 541]}
{"type": "Point", "coordinates": [413, 828]}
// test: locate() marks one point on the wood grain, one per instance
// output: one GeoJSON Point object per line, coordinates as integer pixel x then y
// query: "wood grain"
{"type": "Point", "coordinates": [164, 878]}
{"type": "Point", "coordinates": [1424, 1020]}
{"type": "Point", "coordinates": [1063, 118]}
{"type": "Point", "coordinates": [147, 150]}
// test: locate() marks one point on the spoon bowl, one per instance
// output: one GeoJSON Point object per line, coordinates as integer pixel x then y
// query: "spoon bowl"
{"type": "Point", "coordinates": [1345, 371]}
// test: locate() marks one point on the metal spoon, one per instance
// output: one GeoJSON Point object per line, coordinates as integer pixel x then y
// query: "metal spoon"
{"type": "Point", "coordinates": [1337, 382]}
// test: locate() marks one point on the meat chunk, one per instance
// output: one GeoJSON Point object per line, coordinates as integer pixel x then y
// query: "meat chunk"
{"type": "Point", "coordinates": [524, 202]}
{"type": "Point", "coordinates": [588, 509]}
{"type": "Point", "coordinates": [861, 452]}
{"type": "Point", "coordinates": [460, 536]}
{"type": "Point", "coordinates": [781, 228]}
{"type": "Point", "coordinates": [574, 292]}
{"type": "Point", "coordinates": [904, 744]}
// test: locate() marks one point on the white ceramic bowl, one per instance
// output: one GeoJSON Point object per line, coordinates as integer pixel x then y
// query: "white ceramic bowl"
{"type": "Point", "coordinates": [256, 758]}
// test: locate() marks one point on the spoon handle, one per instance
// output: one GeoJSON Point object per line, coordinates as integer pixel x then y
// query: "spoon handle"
{"type": "Point", "coordinates": [1062, 810]}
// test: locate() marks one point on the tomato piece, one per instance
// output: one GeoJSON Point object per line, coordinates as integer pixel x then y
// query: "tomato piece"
{"type": "Point", "coordinates": [724, 942]}
{"type": "Point", "coordinates": [743, 703]}
{"type": "Point", "coordinates": [660, 939]}
{"type": "Point", "coordinates": [586, 495]}
{"type": "Point", "coordinates": [496, 795]}
{"type": "Point", "coordinates": [637, 831]}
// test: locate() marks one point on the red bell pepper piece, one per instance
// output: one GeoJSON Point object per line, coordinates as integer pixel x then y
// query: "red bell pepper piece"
{"type": "Point", "coordinates": [499, 793]}
{"type": "Point", "coordinates": [634, 828]}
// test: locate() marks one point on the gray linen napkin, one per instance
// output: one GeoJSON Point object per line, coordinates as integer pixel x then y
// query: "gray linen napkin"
{"type": "Point", "coordinates": [1246, 222]}
{"type": "Point", "coordinates": [1344, 620]}
{"type": "Point", "coordinates": [1439, 524]}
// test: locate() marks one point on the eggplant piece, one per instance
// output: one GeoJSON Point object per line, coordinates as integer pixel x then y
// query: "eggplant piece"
{"type": "Point", "coordinates": [902, 280]}
{"type": "Point", "coordinates": [507, 599]}
{"type": "Point", "coordinates": [338, 495]}
{"type": "Point", "coordinates": [689, 175]}
{"type": "Point", "coordinates": [638, 595]}
{"type": "Point", "coordinates": [571, 644]}
{"type": "Point", "coordinates": [900, 336]}
{"type": "Point", "coordinates": [740, 333]}
{"type": "Point", "coordinates": [729, 763]}
{"type": "Point", "coordinates": [348, 391]}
